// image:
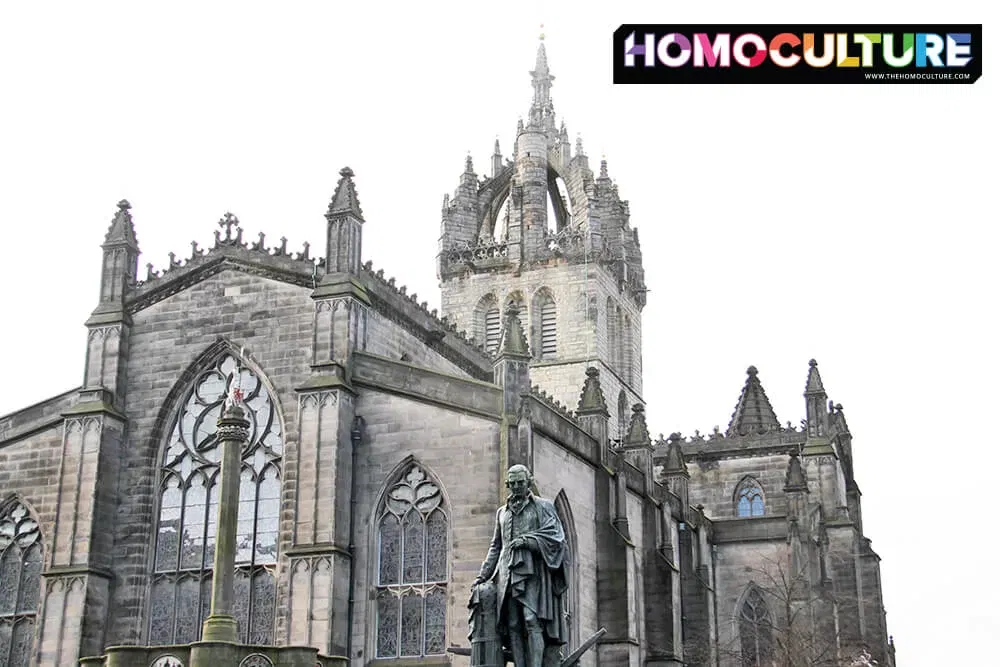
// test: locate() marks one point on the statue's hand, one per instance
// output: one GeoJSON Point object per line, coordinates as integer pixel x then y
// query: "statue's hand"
{"type": "Point", "coordinates": [522, 543]}
{"type": "Point", "coordinates": [478, 581]}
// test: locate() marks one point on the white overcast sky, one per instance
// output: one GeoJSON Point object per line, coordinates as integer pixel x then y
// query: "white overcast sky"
{"type": "Point", "coordinates": [855, 224]}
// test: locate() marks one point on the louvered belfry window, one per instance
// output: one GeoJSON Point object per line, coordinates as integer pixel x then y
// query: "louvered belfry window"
{"type": "Point", "coordinates": [492, 329]}
{"type": "Point", "coordinates": [412, 573]}
{"type": "Point", "coordinates": [548, 313]}
{"type": "Point", "coordinates": [189, 501]}
{"type": "Point", "coordinates": [20, 580]}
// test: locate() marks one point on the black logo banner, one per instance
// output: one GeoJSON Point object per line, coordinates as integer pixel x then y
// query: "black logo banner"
{"type": "Point", "coordinates": [886, 54]}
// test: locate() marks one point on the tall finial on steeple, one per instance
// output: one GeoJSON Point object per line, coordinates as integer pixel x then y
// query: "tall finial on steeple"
{"type": "Point", "coordinates": [541, 80]}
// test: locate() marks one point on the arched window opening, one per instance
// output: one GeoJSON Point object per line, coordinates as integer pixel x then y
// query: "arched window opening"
{"type": "Point", "coordinates": [627, 352]}
{"type": "Point", "coordinates": [749, 498]}
{"type": "Point", "coordinates": [619, 346]}
{"type": "Point", "coordinates": [571, 599]}
{"type": "Point", "coordinates": [564, 195]}
{"type": "Point", "coordinates": [755, 631]}
{"type": "Point", "coordinates": [501, 220]}
{"type": "Point", "coordinates": [20, 581]}
{"type": "Point", "coordinates": [612, 335]}
{"type": "Point", "coordinates": [622, 416]}
{"type": "Point", "coordinates": [411, 573]}
{"type": "Point", "coordinates": [486, 323]}
{"type": "Point", "coordinates": [552, 220]}
{"type": "Point", "coordinates": [189, 500]}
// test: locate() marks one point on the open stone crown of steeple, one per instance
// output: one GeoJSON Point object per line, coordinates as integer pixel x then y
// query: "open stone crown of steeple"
{"type": "Point", "coordinates": [540, 206]}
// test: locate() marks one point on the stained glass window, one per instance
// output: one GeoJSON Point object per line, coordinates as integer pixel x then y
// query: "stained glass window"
{"type": "Point", "coordinates": [189, 505]}
{"type": "Point", "coordinates": [20, 578]}
{"type": "Point", "coordinates": [749, 498]}
{"type": "Point", "coordinates": [412, 548]}
{"type": "Point", "coordinates": [755, 630]}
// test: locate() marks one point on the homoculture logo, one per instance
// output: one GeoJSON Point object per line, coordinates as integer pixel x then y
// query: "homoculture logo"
{"type": "Point", "coordinates": [886, 54]}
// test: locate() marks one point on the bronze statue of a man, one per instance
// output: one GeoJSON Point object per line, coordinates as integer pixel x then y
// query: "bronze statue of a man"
{"type": "Point", "coordinates": [527, 558]}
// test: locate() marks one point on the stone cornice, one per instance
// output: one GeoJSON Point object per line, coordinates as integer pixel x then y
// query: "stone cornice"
{"type": "Point", "coordinates": [35, 418]}
{"type": "Point", "coordinates": [427, 386]}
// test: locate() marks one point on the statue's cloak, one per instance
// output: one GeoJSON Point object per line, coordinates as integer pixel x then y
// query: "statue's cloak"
{"type": "Point", "coordinates": [533, 577]}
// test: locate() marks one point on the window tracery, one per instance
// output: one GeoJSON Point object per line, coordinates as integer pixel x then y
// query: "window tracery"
{"type": "Point", "coordinates": [189, 498]}
{"type": "Point", "coordinates": [755, 630]}
{"type": "Point", "coordinates": [411, 573]}
{"type": "Point", "coordinates": [20, 581]}
{"type": "Point", "coordinates": [749, 499]}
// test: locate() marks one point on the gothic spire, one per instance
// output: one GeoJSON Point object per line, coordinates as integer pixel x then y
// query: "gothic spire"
{"type": "Point", "coordinates": [814, 383]}
{"type": "Point", "coordinates": [638, 433]}
{"type": "Point", "coordinates": [345, 198]}
{"type": "Point", "coordinates": [753, 413]}
{"type": "Point", "coordinates": [121, 231]}
{"type": "Point", "coordinates": [497, 158]}
{"type": "Point", "coordinates": [673, 462]}
{"type": "Point", "coordinates": [816, 416]}
{"type": "Point", "coordinates": [541, 114]}
{"type": "Point", "coordinates": [541, 79]}
{"type": "Point", "coordinates": [513, 341]}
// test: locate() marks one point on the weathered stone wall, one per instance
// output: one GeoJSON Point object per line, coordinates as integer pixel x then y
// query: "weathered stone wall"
{"type": "Point", "coordinates": [274, 321]}
{"type": "Point", "coordinates": [737, 565]}
{"type": "Point", "coordinates": [461, 452]}
{"type": "Point", "coordinates": [713, 483]}
{"type": "Point", "coordinates": [581, 293]}
{"type": "Point", "coordinates": [556, 470]}
{"type": "Point", "coordinates": [388, 339]}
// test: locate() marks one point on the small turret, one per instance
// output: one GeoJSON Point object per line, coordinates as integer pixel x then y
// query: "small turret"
{"type": "Point", "coordinates": [510, 367]}
{"type": "Point", "coordinates": [119, 266]}
{"type": "Point", "coordinates": [675, 473]}
{"type": "Point", "coordinates": [497, 159]}
{"type": "Point", "coordinates": [344, 221]}
{"type": "Point", "coordinates": [816, 417]}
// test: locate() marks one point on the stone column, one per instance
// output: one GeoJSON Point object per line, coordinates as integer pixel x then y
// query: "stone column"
{"type": "Point", "coordinates": [233, 431]}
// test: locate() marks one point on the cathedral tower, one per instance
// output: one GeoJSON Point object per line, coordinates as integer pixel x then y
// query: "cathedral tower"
{"type": "Point", "coordinates": [542, 233]}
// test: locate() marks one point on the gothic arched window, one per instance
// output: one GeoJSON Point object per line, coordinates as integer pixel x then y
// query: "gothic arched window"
{"type": "Point", "coordinates": [612, 336]}
{"type": "Point", "coordinates": [749, 498]}
{"type": "Point", "coordinates": [20, 579]}
{"type": "Point", "coordinates": [755, 630]}
{"type": "Point", "coordinates": [486, 322]}
{"type": "Point", "coordinates": [189, 501]}
{"type": "Point", "coordinates": [411, 574]}
{"type": "Point", "coordinates": [571, 599]}
{"type": "Point", "coordinates": [622, 416]}
{"type": "Point", "coordinates": [627, 345]}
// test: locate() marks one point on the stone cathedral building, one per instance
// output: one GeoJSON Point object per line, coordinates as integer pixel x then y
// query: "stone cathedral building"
{"type": "Point", "coordinates": [380, 432]}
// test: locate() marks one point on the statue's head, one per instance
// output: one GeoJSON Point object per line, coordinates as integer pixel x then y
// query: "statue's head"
{"type": "Point", "coordinates": [518, 480]}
